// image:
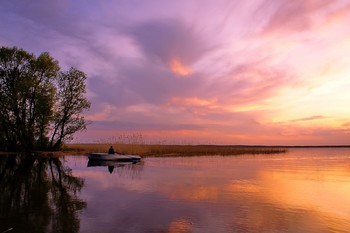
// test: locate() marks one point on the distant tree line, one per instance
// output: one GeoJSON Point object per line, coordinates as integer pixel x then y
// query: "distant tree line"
{"type": "Point", "coordinates": [40, 106]}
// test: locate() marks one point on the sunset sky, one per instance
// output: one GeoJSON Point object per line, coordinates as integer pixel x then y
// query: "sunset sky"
{"type": "Point", "coordinates": [270, 72]}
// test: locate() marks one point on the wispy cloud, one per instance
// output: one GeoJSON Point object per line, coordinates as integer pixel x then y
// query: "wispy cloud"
{"type": "Point", "coordinates": [311, 118]}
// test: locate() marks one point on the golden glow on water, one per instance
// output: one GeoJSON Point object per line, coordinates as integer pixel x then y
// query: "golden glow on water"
{"type": "Point", "coordinates": [241, 186]}
{"type": "Point", "coordinates": [202, 193]}
{"type": "Point", "coordinates": [325, 191]}
{"type": "Point", "coordinates": [301, 191]}
{"type": "Point", "coordinates": [180, 226]}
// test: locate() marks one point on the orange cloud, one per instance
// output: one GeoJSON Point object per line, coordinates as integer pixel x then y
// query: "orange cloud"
{"type": "Point", "coordinates": [179, 68]}
{"type": "Point", "coordinates": [198, 106]}
{"type": "Point", "coordinates": [193, 102]}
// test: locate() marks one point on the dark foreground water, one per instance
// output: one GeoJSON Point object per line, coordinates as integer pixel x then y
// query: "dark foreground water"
{"type": "Point", "coordinates": [304, 190]}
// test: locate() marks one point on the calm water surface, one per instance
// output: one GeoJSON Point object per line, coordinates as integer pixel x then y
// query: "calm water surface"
{"type": "Point", "coordinates": [304, 190]}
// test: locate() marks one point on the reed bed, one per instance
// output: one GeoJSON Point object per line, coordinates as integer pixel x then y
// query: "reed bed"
{"type": "Point", "coordinates": [149, 150]}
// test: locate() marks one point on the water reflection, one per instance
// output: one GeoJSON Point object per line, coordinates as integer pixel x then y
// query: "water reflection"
{"type": "Point", "coordinates": [302, 191]}
{"type": "Point", "coordinates": [110, 164]}
{"type": "Point", "coordinates": [38, 194]}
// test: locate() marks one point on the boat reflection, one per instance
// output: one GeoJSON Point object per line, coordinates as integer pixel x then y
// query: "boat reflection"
{"type": "Point", "coordinates": [111, 165]}
{"type": "Point", "coordinates": [39, 194]}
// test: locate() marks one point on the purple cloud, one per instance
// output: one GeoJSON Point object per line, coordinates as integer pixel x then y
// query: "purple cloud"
{"type": "Point", "coordinates": [164, 39]}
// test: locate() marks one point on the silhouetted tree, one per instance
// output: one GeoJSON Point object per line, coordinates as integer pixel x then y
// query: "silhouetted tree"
{"type": "Point", "coordinates": [40, 106]}
{"type": "Point", "coordinates": [71, 102]}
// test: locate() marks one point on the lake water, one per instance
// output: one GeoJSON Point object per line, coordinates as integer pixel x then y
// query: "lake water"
{"type": "Point", "coordinates": [304, 190]}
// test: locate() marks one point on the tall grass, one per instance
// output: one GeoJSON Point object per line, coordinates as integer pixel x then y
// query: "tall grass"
{"type": "Point", "coordinates": [149, 150]}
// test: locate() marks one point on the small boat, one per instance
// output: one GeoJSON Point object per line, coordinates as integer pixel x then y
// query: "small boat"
{"type": "Point", "coordinates": [114, 157]}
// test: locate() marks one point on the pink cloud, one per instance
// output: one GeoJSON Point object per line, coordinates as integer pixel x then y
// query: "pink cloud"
{"type": "Point", "coordinates": [292, 16]}
{"type": "Point", "coordinates": [309, 118]}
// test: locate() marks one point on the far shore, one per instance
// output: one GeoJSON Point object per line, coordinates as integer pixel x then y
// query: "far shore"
{"type": "Point", "coordinates": [159, 150]}
{"type": "Point", "coordinates": [156, 150]}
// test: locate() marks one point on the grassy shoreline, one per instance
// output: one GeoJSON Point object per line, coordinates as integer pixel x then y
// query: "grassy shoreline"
{"type": "Point", "coordinates": [163, 150]}
{"type": "Point", "coordinates": [150, 150]}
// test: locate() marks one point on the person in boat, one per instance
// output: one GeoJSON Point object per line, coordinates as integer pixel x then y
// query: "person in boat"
{"type": "Point", "coordinates": [111, 150]}
{"type": "Point", "coordinates": [110, 169]}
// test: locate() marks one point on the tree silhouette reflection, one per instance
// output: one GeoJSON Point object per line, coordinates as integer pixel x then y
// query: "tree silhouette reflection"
{"type": "Point", "coordinates": [38, 194]}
